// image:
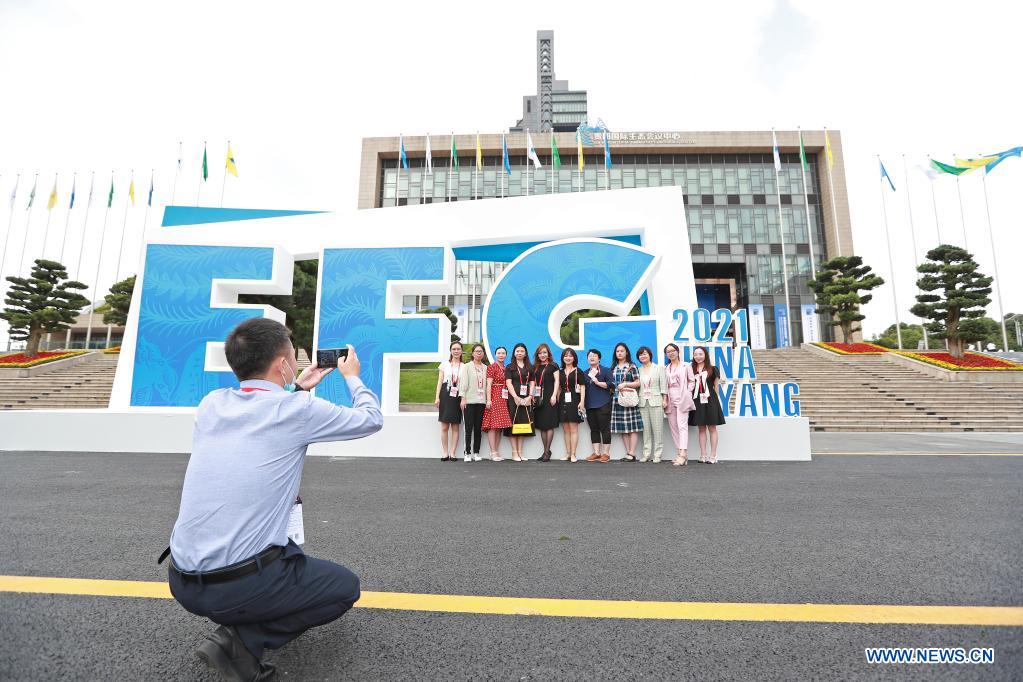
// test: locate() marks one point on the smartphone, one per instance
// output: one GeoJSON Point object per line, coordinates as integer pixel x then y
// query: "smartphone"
{"type": "Point", "coordinates": [328, 357]}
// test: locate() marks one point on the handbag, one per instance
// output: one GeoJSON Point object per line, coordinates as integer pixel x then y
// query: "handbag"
{"type": "Point", "coordinates": [628, 397]}
{"type": "Point", "coordinates": [523, 428]}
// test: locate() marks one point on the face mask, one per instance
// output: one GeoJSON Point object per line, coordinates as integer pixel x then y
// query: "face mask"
{"type": "Point", "coordinates": [289, 386]}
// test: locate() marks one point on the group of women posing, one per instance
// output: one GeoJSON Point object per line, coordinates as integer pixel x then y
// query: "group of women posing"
{"type": "Point", "coordinates": [523, 398]}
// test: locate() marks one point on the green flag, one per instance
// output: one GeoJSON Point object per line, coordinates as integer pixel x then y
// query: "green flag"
{"type": "Point", "coordinates": [454, 154]}
{"type": "Point", "coordinates": [802, 153]}
{"type": "Point", "coordinates": [948, 168]}
{"type": "Point", "coordinates": [110, 199]}
{"type": "Point", "coordinates": [555, 157]}
{"type": "Point", "coordinates": [205, 167]}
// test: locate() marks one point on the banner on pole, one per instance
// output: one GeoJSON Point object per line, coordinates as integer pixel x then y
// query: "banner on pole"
{"type": "Point", "coordinates": [757, 327]}
{"type": "Point", "coordinates": [781, 325]}
{"type": "Point", "coordinates": [811, 326]}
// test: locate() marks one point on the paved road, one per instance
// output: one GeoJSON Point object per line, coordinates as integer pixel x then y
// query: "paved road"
{"type": "Point", "coordinates": [858, 530]}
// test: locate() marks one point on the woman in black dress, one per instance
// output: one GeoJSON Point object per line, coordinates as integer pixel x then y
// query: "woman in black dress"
{"type": "Point", "coordinates": [544, 389]}
{"type": "Point", "coordinates": [518, 376]}
{"type": "Point", "coordinates": [570, 402]}
{"type": "Point", "coordinates": [448, 403]}
{"type": "Point", "coordinates": [708, 415]}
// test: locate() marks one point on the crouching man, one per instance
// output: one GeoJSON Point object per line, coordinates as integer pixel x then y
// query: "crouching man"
{"type": "Point", "coordinates": [231, 558]}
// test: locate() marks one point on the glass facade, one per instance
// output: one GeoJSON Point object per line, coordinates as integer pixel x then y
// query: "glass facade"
{"type": "Point", "coordinates": [731, 203]}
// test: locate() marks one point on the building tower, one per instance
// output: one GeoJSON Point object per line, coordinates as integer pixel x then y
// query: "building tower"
{"type": "Point", "coordinates": [554, 106]}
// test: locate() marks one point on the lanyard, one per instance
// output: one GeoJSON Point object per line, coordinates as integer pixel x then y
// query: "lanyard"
{"type": "Point", "coordinates": [519, 370]}
{"type": "Point", "coordinates": [454, 372]}
{"type": "Point", "coordinates": [250, 389]}
{"type": "Point", "coordinates": [479, 377]}
{"type": "Point", "coordinates": [568, 379]}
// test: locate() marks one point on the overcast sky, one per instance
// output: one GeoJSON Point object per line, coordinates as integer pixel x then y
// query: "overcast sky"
{"type": "Point", "coordinates": [104, 86]}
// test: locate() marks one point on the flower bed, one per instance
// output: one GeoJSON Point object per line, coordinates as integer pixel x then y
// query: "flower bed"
{"type": "Point", "coordinates": [970, 362]}
{"type": "Point", "coordinates": [19, 361]}
{"type": "Point", "coordinates": [112, 351]}
{"type": "Point", "coordinates": [852, 348]}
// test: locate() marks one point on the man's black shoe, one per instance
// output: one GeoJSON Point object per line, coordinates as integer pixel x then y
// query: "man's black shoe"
{"type": "Point", "coordinates": [225, 652]}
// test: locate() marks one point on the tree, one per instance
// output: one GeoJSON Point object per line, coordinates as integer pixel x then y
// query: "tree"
{"type": "Point", "coordinates": [912, 335]}
{"type": "Point", "coordinates": [570, 327]}
{"type": "Point", "coordinates": [837, 290]}
{"type": "Point", "coordinates": [42, 303]}
{"type": "Point", "coordinates": [299, 307]}
{"type": "Point", "coordinates": [444, 310]}
{"type": "Point", "coordinates": [961, 294]}
{"type": "Point", "coordinates": [118, 301]}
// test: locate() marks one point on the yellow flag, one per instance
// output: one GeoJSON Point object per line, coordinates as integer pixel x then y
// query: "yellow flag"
{"type": "Point", "coordinates": [827, 150]}
{"type": "Point", "coordinates": [131, 191]}
{"type": "Point", "coordinates": [579, 144]}
{"type": "Point", "coordinates": [479, 152]}
{"type": "Point", "coordinates": [979, 162]}
{"type": "Point", "coordinates": [53, 197]}
{"type": "Point", "coordinates": [229, 164]}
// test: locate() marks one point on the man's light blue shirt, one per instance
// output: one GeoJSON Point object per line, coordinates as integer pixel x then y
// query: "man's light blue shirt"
{"type": "Point", "coordinates": [246, 466]}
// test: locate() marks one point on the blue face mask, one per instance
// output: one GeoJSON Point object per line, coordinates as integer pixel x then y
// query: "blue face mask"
{"type": "Point", "coordinates": [289, 386]}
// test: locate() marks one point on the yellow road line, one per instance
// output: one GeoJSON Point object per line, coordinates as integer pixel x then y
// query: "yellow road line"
{"type": "Point", "coordinates": [921, 454]}
{"type": "Point", "coordinates": [582, 608]}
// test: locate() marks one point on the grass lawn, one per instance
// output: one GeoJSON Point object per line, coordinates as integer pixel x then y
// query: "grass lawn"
{"type": "Point", "coordinates": [417, 385]}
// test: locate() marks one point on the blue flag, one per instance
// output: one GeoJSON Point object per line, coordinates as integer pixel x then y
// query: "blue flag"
{"type": "Point", "coordinates": [504, 159]}
{"type": "Point", "coordinates": [1002, 156]}
{"type": "Point", "coordinates": [884, 175]}
{"type": "Point", "coordinates": [74, 183]}
{"type": "Point", "coordinates": [607, 152]}
{"type": "Point", "coordinates": [149, 201]}
{"type": "Point", "coordinates": [401, 152]}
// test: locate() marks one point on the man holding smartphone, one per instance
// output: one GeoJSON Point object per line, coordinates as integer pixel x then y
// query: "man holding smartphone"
{"type": "Point", "coordinates": [231, 558]}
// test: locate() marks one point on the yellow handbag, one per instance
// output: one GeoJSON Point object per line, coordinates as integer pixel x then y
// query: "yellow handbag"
{"type": "Point", "coordinates": [525, 428]}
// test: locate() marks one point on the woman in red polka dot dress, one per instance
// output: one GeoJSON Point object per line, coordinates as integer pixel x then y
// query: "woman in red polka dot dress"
{"type": "Point", "coordinates": [496, 417]}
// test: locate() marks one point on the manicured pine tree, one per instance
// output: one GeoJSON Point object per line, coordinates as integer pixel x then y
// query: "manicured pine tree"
{"type": "Point", "coordinates": [42, 303]}
{"type": "Point", "coordinates": [955, 294]}
{"type": "Point", "coordinates": [837, 290]}
{"type": "Point", "coordinates": [118, 302]}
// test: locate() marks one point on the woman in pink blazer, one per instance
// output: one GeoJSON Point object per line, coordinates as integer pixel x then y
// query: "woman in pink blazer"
{"type": "Point", "coordinates": [680, 401]}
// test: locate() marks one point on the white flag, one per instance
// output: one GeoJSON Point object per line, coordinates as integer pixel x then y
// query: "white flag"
{"type": "Point", "coordinates": [92, 183]}
{"type": "Point", "coordinates": [14, 192]}
{"type": "Point", "coordinates": [928, 170]}
{"type": "Point", "coordinates": [531, 150]}
{"type": "Point", "coordinates": [429, 157]}
{"type": "Point", "coordinates": [777, 156]}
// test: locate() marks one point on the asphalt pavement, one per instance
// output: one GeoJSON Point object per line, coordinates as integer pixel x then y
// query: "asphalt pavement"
{"type": "Point", "coordinates": [839, 530]}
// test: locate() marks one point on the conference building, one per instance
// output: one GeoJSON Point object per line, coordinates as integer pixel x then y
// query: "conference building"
{"type": "Point", "coordinates": [733, 200]}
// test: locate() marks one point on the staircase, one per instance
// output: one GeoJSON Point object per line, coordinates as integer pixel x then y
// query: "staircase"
{"type": "Point", "coordinates": [85, 385]}
{"type": "Point", "coordinates": [868, 393]}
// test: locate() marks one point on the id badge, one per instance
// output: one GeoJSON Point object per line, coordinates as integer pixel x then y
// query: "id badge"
{"type": "Point", "coordinates": [568, 397]}
{"type": "Point", "coordinates": [647, 393]}
{"type": "Point", "coordinates": [504, 393]}
{"type": "Point", "coordinates": [537, 392]}
{"type": "Point", "coordinates": [523, 390]}
{"type": "Point", "coordinates": [704, 399]}
{"type": "Point", "coordinates": [296, 528]}
{"type": "Point", "coordinates": [453, 392]}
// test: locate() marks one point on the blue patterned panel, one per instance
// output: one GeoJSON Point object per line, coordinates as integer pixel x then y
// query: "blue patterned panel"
{"type": "Point", "coordinates": [176, 321]}
{"type": "Point", "coordinates": [353, 287]}
{"type": "Point", "coordinates": [604, 336]}
{"type": "Point", "coordinates": [522, 302]}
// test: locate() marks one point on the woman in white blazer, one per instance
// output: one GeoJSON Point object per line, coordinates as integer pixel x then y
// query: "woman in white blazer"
{"type": "Point", "coordinates": [653, 402]}
{"type": "Point", "coordinates": [681, 381]}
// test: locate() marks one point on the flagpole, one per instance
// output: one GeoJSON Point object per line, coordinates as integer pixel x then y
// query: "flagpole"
{"type": "Point", "coordinates": [476, 168]}
{"type": "Point", "coordinates": [934, 204]}
{"type": "Point", "coordinates": [891, 264]}
{"type": "Point", "coordinates": [81, 247]}
{"type": "Point", "coordinates": [397, 184]}
{"type": "Point", "coordinates": [994, 256]}
{"type": "Point", "coordinates": [198, 191]}
{"type": "Point", "coordinates": [834, 208]}
{"type": "Point", "coordinates": [451, 165]}
{"type": "Point", "coordinates": [49, 214]}
{"type": "Point", "coordinates": [120, 247]}
{"type": "Point", "coordinates": [912, 237]}
{"type": "Point", "coordinates": [28, 224]}
{"type": "Point", "coordinates": [10, 224]}
{"type": "Point", "coordinates": [529, 161]}
{"type": "Point", "coordinates": [177, 172]}
{"type": "Point", "coordinates": [962, 216]}
{"type": "Point", "coordinates": [67, 220]}
{"type": "Point", "coordinates": [99, 261]}
{"type": "Point", "coordinates": [223, 185]}
{"type": "Point", "coordinates": [145, 221]}
{"type": "Point", "coordinates": [810, 227]}
{"type": "Point", "coordinates": [784, 256]}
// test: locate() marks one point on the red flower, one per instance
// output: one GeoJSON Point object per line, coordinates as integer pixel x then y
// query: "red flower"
{"type": "Point", "coordinates": [969, 361]}
{"type": "Point", "coordinates": [853, 348]}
